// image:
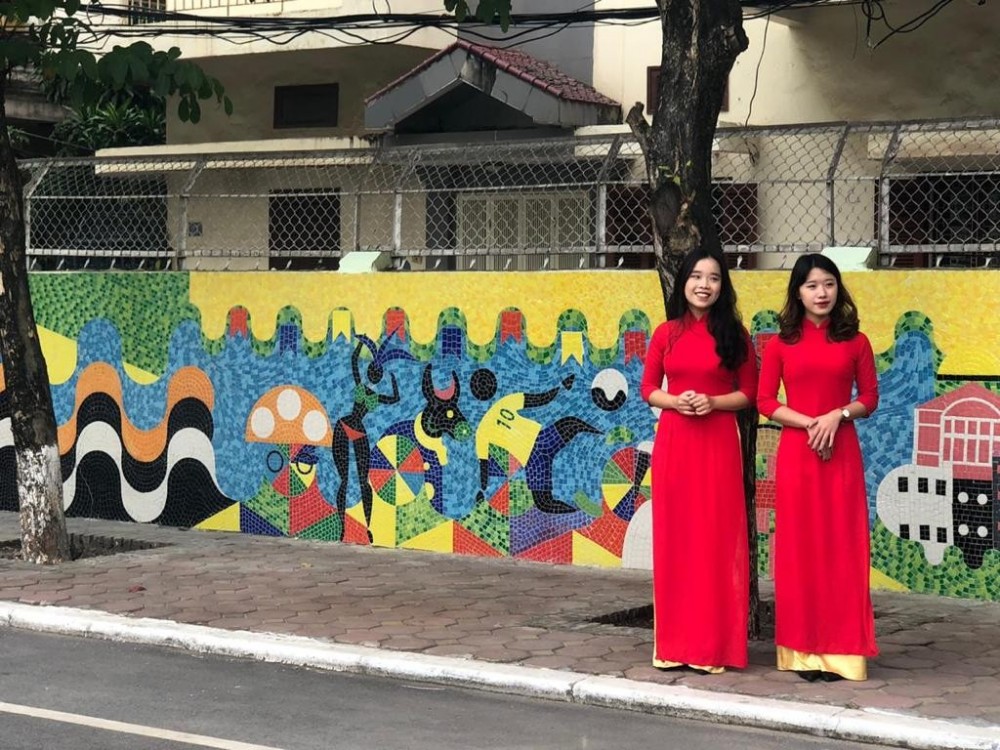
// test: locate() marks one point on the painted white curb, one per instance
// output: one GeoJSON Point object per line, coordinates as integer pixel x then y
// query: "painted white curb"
{"type": "Point", "coordinates": [877, 727]}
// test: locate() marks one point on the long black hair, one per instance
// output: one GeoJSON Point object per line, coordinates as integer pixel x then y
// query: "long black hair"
{"type": "Point", "coordinates": [844, 321]}
{"type": "Point", "coordinates": [724, 322]}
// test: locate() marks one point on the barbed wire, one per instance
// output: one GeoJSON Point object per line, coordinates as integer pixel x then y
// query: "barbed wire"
{"type": "Point", "coordinates": [916, 191]}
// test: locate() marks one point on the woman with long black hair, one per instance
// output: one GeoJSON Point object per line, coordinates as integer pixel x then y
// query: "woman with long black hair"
{"type": "Point", "coordinates": [700, 555]}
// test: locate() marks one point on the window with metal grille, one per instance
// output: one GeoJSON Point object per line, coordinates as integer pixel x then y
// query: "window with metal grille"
{"type": "Point", "coordinates": [119, 222]}
{"type": "Point", "coordinates": [948, 209]}
{"type": "Point", "coordinates": [310, 106]}
{"type": "Point", "coordinates": [146, 11]}
{"type": "Point", "coordinates": [304, 224]}
{"type": "Point", "coordinates": [525, 222]}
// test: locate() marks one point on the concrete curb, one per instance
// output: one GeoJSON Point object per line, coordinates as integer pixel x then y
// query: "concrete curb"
{"type": "Point", "coordinates": [876, 727]}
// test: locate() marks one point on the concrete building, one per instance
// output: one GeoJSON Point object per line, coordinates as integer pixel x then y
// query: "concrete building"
{"type": "Point", "coordinates": [318, 91]}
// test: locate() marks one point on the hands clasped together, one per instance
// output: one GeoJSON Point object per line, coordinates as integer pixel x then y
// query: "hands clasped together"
{"type": "Point", "coordinates": [694, 404]}
{"type": "Point", "coordinates": [822, 431]}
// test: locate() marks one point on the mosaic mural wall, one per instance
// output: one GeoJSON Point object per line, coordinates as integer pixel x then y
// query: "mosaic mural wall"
{"type": "Point", "coordinates": [484, 414]}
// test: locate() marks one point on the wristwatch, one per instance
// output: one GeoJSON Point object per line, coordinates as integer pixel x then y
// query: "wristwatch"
{"type": "Point", "coordinates": [845, 414]}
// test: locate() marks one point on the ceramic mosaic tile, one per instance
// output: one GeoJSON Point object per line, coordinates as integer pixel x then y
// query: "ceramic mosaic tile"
{"type": "Point", "coordinates": [497, 415]}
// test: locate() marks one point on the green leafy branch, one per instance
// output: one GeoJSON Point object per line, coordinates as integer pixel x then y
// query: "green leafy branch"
{"type": "Point", "coordinates": [44, 35]}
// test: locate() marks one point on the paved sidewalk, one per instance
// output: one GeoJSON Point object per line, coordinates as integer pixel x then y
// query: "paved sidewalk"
{"type": "Point", "coordinates": [936, 684]}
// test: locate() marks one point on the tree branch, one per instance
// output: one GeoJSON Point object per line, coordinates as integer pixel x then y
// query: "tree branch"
{"type": "Point", "coordinates": [640, 129]}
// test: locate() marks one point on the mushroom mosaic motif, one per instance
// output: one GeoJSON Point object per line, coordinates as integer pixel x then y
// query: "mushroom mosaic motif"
{"type": "Point", "coordinates": [290, 502]}
{"type": "Point", "coordinates": [288, 415]}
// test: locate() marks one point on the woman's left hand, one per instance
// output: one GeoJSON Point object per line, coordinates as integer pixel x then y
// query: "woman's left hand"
{"type": "Point", "coordinates": [702, 404]}
{"type": "Point", "coordinates": [825, 430]}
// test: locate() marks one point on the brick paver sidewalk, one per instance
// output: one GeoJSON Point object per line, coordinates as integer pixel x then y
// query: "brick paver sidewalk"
{"type": "Point", "coordinates": [940, 657]}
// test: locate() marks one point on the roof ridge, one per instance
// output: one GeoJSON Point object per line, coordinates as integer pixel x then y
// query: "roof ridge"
{"type": "Point", "coordinates": [533, 70]}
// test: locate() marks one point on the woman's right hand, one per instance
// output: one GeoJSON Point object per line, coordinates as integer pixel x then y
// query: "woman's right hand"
{"type": "Point", "coordinates": [685, 403]}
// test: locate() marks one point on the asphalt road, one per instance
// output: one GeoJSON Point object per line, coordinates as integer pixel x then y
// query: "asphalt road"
{"type": "Point", "coordinates": [79, 694]}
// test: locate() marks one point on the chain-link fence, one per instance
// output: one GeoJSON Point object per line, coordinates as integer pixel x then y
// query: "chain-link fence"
{"type": "Point", "coordinates": [920, 194]}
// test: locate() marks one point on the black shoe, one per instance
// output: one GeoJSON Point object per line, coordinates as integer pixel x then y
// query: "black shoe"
{"type": "Point", "coordinates": [830, 676]}
{"type": "Point", "coordinates": [810, 675]}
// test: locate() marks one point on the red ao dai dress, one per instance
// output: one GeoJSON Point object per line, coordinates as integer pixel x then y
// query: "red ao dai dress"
{"type": "Point", "coordinates": [823, 609]}
{"type": "Point", "coordinates": [700, 556]}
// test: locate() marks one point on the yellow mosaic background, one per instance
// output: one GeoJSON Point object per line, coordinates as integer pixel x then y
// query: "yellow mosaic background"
{"type": "Point", "coordinates": [961, 304]}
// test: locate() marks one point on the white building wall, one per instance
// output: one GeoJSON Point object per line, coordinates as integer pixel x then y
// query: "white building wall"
{"type": "Point", "coordinates": [914, 509]}
{"type": "Point", "coordinates": [250, 81]}
{"type": "Point", "coordinates": [204, 45]}
{"type": "Point", "coordinates": [816, 66]}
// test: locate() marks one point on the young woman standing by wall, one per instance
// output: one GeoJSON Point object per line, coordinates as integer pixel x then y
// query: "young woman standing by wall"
{"type": "Point", "coordinates": [824, 625]}
{"type": "Point", "coordinates": [700, 555]}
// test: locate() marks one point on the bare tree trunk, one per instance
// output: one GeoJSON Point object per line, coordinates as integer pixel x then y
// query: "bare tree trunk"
{"type": "Point", "coordinates": [39, 475]}
{"type": "Point", "coordinates": [701, 41]}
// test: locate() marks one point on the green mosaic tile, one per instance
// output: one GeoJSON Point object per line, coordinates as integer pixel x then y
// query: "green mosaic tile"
{"type": "Point", "coordinates": [571, 320]}
{"type": "Point", "coordinates": [914, 320]}
{"type": "Point", "coordinates": [481, 352]}
{"type": "Point", "coordinates": [146, 308]}
{"type": "Point", "coordinates": [760, 467]}
{"type": "Point", "coordinates": [327, 530]}
{"type": "Point", "coordinates": [490, 525]}
{"type": "Point", "coordinates": [520, 497]}
{"type": "Point", "coordinates": [416, 517]}
{"type": "Point", "coordinates": [387, 492]}
{"type": "Point", "coordinates": [763, 554]}
{"type": "Point", "coordinates": [613, 474]}
{"type": "Point", "coordinates": [213, 347]}
{"type": "Point", "coordinates": [765, 321]}
{"type": "Point", "coordinates": [498, 454]}
{"type": "Point", "coordinates": [452, 316]}
{"type": "Point", "coordinates": [619, 435]}
{"type": "Point", "coordinates": [540, 355]}
{"type": "Point", "coordinates": [264, 347]}
{"type": "Point", "coordinates": [635, 320]}
{"type": "Point", "coordinates": [603, 357]}
{"type": "Point", "coordinates": [288, 315]}
{"type": "Point", "coordinates": [270, 506]}
{"type": "Point", "coordinates": [314, 349]}
{"type": "Point", "coordinates": [904, 561]}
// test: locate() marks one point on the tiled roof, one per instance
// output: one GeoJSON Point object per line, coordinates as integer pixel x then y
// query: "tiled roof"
{"type": "Point", "coordinates": [969, 390]}
{"type": "Point", "coordinates": [539, 73]}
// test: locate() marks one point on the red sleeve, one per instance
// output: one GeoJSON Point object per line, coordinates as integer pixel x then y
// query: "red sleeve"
{"type": "Point", "coordinates": [652, 374]}
{"type": "Point", "coordinates": [865, 374]}
{"type": "Point", "coordinates": [770, 377]}
{"type": "Point", "coordinates": [746, 376]}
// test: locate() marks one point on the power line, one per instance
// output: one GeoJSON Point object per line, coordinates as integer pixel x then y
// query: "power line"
{"type": "Point", "coordinates": [875, 11]}
{"type": "Point", "coordinates": [393, 27]}
{"type": "Point", "coordinates": [259, 27]}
